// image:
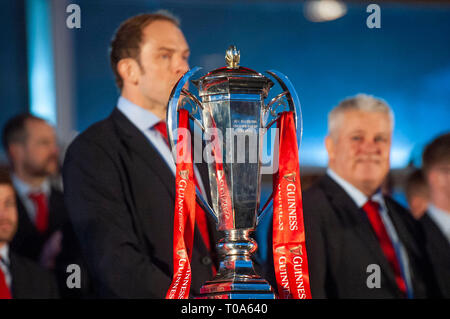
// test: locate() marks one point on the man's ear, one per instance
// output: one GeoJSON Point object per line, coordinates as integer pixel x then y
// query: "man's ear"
{"type": "Point", "coordinates": [129, 70]}
{"type": "Point", "coordinates": [15, 151]}
{"type": "Point", "coordinates": [435, 179]}
{"type": "Point", "coordinates": [330, 146]}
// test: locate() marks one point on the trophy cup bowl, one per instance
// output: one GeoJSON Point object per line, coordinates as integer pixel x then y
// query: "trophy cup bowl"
{"type": "Point", "coordinates": [232, 102]}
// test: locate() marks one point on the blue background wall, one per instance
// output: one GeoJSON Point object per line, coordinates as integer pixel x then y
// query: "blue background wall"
{"type": "Point", "coordinates": [406, 62]}
{"type": "Point", "coordinates": [13, 74]}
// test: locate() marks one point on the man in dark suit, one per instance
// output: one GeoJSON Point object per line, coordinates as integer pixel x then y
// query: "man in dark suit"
{"type": "Point", "coordinates": [32, 149]}
{"type": "Point", "coordinates": [44, 232]}
{"type": "Point", "coordinates": [436, 220]}
{"type": "Point", "coordinates": [20, 278]}
{"type": "Point", "coordinates": [119, 174]}
{"type": "Point", "coordinates": [417, 193]}
{"type": "Point", "coordinates": [360, 243]}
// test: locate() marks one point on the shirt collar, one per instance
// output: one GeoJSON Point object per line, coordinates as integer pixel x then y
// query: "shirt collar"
{"type": "Point", "coordinates": [356, 195]}
{"type": "Point", "coordinates": [4, 254]}
{"type": "Point", "coordinates": [143, 119]}
{"type": "Point", "coordinates": [24, 189]}
{"type": "Point", "coordinates": [440, 216]}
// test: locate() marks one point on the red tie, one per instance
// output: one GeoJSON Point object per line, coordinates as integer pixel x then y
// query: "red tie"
{"type": "Point", "coordinates": [200, 216]}
{"type": "Point", "coordinates": [40, 202]}
{"type": "Point", "coordinates": [372, 210]}
{"type": "Point", "coordinates": [161, 127]}
{"type": "Point", "coordinates": [4, 290]}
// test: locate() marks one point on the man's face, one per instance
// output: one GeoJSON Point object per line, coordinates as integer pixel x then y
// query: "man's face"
{"type": "Point", "coordinates": [418, 204]}
{"type": "Point", "coordinates": [359, 149]}
{"type": "Point", "coordinates": [8, 213]}
{"type": "Point", "coordinates": [39, 153]}
{"type": "Point", "coordinates": [164, 59]}
{"type": "Point", "coordinates": [439, 178]}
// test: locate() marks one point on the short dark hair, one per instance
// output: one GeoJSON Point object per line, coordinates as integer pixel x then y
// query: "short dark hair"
{"type": "Point", "coordinates": [416, 184]}
{"type": "Point", "coordinates": [5, 178]}
{"type": "Point", "coordinates": [126, 42]}
{"type": "Point", "coordinates": [437, 152]}
{"type": "Point", "coordinates": [15, 131]}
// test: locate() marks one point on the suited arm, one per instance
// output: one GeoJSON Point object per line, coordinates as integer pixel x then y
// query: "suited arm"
{"type": "Point", "coordinates": [94, 196]}
{"type": "Point", "coordinates": [316, 244]}
{"type": "Point", "coordinates": [53, 288]}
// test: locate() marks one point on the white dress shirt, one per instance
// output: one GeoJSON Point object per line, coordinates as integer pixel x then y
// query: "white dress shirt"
{"type": "Point", "coordinates": [441, 219]}
{"type": "Point", "coordinates": [360, 199]}
{"type": "Point", "coordinates": [4, 264]}
{"type": "Point", "coordinates": [145, 120]}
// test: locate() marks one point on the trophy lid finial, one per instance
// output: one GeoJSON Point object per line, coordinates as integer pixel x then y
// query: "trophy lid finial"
{"type": "Point", "coordinates": [232, 57]}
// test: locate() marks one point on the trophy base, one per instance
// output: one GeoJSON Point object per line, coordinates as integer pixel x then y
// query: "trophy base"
{"type": "Point", "coordinates": [236, 278]}
{"type": "Point", "coordinates": [250, 289]}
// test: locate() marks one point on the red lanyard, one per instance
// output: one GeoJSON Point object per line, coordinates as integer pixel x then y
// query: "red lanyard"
{"type": "Point", "coordinates": [289, 250]}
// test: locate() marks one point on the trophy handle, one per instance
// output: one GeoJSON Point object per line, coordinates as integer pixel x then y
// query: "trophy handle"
{"type": "Point", "coordinates": [294, 105]}
{"type": "Point", "coordinates": [293, 100]}
{"type": "Point", "coordinates": [172, 125]}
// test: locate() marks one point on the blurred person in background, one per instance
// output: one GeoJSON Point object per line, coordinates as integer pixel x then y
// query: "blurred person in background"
{"type": "Point", "coordinates": [44, 231]}
{"type": "Point", "coordinates": [417, 194]}
{"type": "Point", "coordinates": [360, 242]}
{"type": "Point", "coordinates": [32, 150]}
{"type": "Point", "coordinates": [20, 278]}
{"type": "Point", "coordinates": [119, 174]}
{"type": "Point", "coordinates": [436, 220]}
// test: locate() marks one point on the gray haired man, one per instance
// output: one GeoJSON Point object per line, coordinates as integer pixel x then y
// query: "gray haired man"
{"type": "Point", "coordinates": [361, 243]}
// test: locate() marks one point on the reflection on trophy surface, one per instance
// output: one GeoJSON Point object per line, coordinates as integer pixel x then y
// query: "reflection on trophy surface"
{"type": "Point", "coordinates": [234, 116]}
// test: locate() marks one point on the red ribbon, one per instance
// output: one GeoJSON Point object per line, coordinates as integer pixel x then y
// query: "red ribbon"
{"type": "Point", "coordinates": [289, 250]}
{"type": "Point", "coordinates": [184, 221]}
{"type": "Point", "coordinates": [185, 208]}
{"type": "Point", "coordinates": [226, 216]}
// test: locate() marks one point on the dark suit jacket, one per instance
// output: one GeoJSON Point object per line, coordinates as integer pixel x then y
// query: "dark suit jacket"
{"type": "Point", "coordinates": [28, 241]}
{"type": "Point", "coordinates": [341, 245]}
{"type": "Point", "coordinates": [438, 249]}
{"type": "Point", "coordinates": [29, 280]}
{"type": "Point", "coordinates": [120, 195]}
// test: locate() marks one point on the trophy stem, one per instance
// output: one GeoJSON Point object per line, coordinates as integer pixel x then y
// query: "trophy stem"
{"type": "Point", "coordinates": [236, 277]}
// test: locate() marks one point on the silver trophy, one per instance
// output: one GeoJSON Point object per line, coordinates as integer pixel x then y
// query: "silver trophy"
{"type": "Point", "coordinates": [232, 101]}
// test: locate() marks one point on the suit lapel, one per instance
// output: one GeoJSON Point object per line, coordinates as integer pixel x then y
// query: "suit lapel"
{"type": "Point", "coordinates": [139, 144]}
{"type": "Point", "coordinates": [56, 210]}
{"type": "Point", "coordinates": [354, 216]}
{"type": "Point", "coordinates": [55, 215]}
{"type": "Point", "coordinates": [405, 236]}
{"type": "Point", "coordinates": [24, 222]}
{"type": "Point", "coordinates": [18, 282]}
